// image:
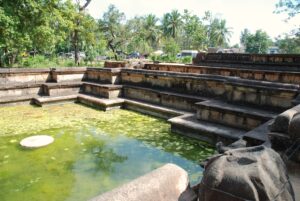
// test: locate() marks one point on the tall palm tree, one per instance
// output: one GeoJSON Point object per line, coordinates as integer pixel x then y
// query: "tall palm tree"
{"type": "Point", "coordinates": [220, 34]}
{"type": "Point", "coordinates": [152, 31]}
{"type": "Point", "coordinates": [171, 23]}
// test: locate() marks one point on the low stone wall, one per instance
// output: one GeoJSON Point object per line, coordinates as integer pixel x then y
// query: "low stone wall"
{"type": "Point", "coordinates": [230, 89]}
{"type": "Point", "coordinates": [15, 76]}
{"type": "Point", "coordinates": [115, 64]}
{"type": "Point", "coordinates": [254, 74]}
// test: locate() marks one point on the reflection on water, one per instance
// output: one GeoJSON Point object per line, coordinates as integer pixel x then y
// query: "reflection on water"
{"type": "Point", "coordinates": [93, 151]}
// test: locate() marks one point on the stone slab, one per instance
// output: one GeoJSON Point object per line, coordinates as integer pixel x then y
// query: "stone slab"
{"type": "Point", "coordinates": [167, 183]}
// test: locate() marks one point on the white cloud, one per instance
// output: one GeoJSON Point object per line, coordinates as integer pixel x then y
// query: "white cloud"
{"type": "Point", "coordinates": [240, 14]}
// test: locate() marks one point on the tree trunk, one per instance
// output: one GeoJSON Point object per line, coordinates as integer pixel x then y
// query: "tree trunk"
{"type": "Point", "coordinates": [76, 34]}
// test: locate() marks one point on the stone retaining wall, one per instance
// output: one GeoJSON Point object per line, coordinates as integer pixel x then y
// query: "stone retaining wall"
{"type": "Point", "coordinates": [253, 74]}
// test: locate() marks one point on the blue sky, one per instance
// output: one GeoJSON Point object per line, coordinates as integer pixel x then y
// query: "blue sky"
{"type": "Point", "coordinates": [240, 14]}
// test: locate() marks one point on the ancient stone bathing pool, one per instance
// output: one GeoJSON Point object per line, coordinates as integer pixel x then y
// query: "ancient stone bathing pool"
{"type": "Point", "coordinates": [93, 151]}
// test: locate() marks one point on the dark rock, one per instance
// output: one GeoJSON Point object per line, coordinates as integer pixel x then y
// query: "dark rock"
{"type": "Point", "coordinates": [253, 173]}
{"type": "Point", "coordinates": [294, 127]}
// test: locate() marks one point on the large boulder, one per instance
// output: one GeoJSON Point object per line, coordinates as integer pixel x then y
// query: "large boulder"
{"type": "Point", "coordinates": [294, 127]}
{"type": "Point", "coordinates": [249, 173]}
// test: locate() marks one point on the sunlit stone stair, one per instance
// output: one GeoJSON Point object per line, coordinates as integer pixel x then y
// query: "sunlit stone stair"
{"type": "Point", "coordinates": [56, 89]}
{"type": "Point", "coordinates": [102, 90]}
{"type": "Point", "coordinates": [237, 116]}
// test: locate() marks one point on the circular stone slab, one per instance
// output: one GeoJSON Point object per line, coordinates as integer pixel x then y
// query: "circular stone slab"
{"type": "Point", "coordinates": [36, 141]}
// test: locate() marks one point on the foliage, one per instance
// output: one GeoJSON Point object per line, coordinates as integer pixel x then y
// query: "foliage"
{"type": "Point", "coordinates": [291, 7]}
{"type": "Point", "coordinates": [257, 43]}
{"type": "Point", "coordinates": [288, 44]}
{"type": "Point", "coordinates": [170, 47]}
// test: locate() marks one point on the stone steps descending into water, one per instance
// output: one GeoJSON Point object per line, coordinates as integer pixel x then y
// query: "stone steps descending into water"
{"type": "Point", "coordinates": [242, 117]}
{"type": "Point", "coordinates": [46, 100]}
{"type": "Point", "coordinates": [164, 98]}
{"type": "Point", "coordinates": [100, 103]}
{"type": "Point", "coordinates": [189, 125]}
{"type": "Point", "coordinates": [109, 91]}
{"type": "Point", "coordinates": [152, 109]}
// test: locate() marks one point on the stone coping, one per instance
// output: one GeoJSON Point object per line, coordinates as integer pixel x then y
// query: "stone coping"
{"type": "Point", "coordinates": [220, 78]}
{"type": "Point", "coordinates": [41, 70]}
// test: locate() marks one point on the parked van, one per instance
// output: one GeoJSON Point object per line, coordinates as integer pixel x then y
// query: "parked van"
{"type": "Point", "coordinates": [188, 53]}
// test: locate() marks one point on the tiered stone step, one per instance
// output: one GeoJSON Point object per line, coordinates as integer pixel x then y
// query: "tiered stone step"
{"type": "Point", "coordinates": [56, 89]}
{"type": "Point", "coordinates": [104, 75]}
{"type": "Point", "coordinates": [15, 100]}
{"type": "Point", "coordinates": [152, 109]}
{"type": "Point", "coordinates": [164, 98]}
{"type": "Point", "coordinates": [19, 89]}
{"type": "Point", "coordinates": [242, 117]}
{"type": "Point", "coordinates": [47, 100]}
{"type": "Point", "coordinates": [190, 126]}
{"type": "Point", "coordinates": [102, 90]}
{"type": "Point", "coordinates": [71, 74]}
{"type": "Point", "coordinates": [100, 103]}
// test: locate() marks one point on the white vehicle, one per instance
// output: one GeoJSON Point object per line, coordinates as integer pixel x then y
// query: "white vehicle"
{"type": "Point", "coordinates": [188, 53]}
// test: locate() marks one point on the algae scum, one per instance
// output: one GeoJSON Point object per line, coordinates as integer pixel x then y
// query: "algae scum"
{"type": "Point", "coordinates": [93, 151]}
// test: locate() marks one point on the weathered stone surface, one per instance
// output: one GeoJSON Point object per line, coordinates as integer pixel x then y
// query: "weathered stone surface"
{"type": "Point", "coordinates": [254, 173]}
{"type": "Point", "coordinates": [167, 183]}
{"type": "Point", "coordinates": [294, 127]}
{"type": "Point", "coordinates": [282, 121]}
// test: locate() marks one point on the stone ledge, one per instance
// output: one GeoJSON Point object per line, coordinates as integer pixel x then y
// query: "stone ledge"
{"type": "Point", "coordinates": [56, 99]}
{"type": "Point", "coordinates": [101, 103]}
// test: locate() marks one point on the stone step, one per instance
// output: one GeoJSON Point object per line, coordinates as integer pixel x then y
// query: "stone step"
{"type": "Point", "coordinates": [237, 116]}
{"type": "Point", "coordinates": [164, 98]}
{"type": "Point", "coordinates": [103, 75]}
{"type": "Point", "coordinates": [109, 91]}
{"type": "Point", "coordinates": [101, 103]}
{"type": "Point", "coordinates": [55, 89]}
{"type": "Point", "coordinates": [12, 100]}
{"type": "Point", "coordinates": [46, 100]}
{"type": "Point", "coordinates": [190, 126]}
{"type": "Point", "coordinates": [152, 109]}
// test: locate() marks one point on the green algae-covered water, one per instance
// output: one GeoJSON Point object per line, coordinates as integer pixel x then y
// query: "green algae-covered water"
{"type": "Point", "coordinates": [93, 151]}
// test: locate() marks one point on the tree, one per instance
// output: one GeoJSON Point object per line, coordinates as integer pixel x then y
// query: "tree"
{"type": "Point", "coordinates": [171, 23]}
{"type": "Point", "coordinates": [288, 44]}
{"type": "Point", "coordinates": [31, 25]}
{"type": "Point", "coordinates": [291, 7]}
{"type": "Point", "coordinates": [152, 31]}
{"type": "Point", "coordinates": [244, 36]}
{"type": "Point", "coordinates": [113, 29]}
{"type": "Point", "coordinates": [220, 32]}
{"type": "Point", "coordinates": [258, 43]}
